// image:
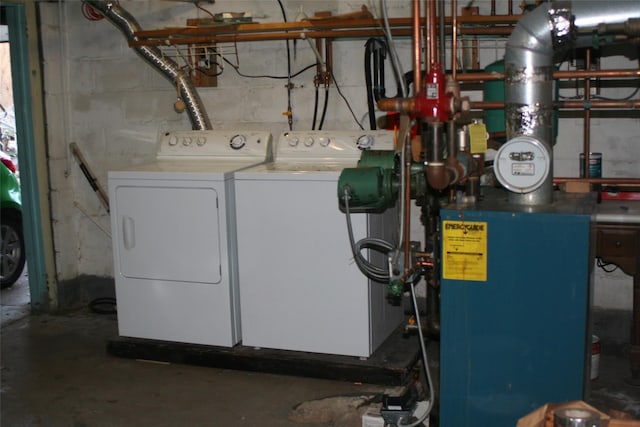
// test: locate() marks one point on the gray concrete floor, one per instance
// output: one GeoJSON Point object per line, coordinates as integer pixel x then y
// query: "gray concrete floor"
{"type": "Point", "coordinates": [55, 372]}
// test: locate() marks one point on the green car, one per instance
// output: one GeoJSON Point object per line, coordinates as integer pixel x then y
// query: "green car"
{"type": "Point", "coordinates": [12, 254]}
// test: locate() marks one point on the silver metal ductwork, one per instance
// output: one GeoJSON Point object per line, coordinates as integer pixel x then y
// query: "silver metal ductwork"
{"type": "Point", "coordinates": [540, 40]}
{"type": "Point", "coordinates": [128, 25]}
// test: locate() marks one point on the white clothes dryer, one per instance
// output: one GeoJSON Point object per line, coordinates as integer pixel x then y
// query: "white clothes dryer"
{"type": "Point", "coordinates": [174, 237]}
{"type": "Point", "coordinates": [300, 288]}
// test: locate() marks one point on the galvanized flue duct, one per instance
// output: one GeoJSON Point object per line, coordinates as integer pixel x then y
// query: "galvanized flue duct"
{"type": "Point", "coordinates": [128, 25]}
{"type": "Point", "coordinates": [539, 40]}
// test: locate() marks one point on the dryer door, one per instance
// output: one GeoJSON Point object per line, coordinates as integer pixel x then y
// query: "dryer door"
{"type": "Point", "coordinates": [169, 232]}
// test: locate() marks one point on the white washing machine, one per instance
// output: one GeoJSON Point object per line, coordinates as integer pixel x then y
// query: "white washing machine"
{"type": "Point", "coordinates": [300, 288]}
{"type": "Point", "coordinates": [173, 231]}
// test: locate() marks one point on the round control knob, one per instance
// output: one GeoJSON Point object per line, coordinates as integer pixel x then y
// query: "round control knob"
{"type": "Point", "coordinates": [324, 141]}
{"type": "Point", "coordinates": [238, 141]}
{"type": "Point", "coordinates": [365, 142]}
{"type": "Point", "coordinates": [308, 141]}
{"type": "Point", "coordinates": [201, 140]}
{"type": "Point", "coordinates": [293, 140]}
{"type": "Point", "coordinates": [186, 141]}
{"type": "Point", "coordinates": [173, 140]}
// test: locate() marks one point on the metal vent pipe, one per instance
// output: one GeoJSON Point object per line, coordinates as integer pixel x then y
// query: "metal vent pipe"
{"type": "Point", "coordinates": [128, 25]}
{"type": "Point", "coordinates": [539, 40]}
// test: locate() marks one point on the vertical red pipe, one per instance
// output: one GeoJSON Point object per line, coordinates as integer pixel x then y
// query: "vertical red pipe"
{"type": "Point", "coordinates": [586, 147]}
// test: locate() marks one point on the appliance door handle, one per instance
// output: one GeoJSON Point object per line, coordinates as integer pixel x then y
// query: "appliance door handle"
{"type": "Point", "coordinates": [128, 232]}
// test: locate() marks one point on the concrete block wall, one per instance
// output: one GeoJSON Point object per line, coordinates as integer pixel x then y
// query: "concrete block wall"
{"type": "Point", "coordinates": [103, 96]}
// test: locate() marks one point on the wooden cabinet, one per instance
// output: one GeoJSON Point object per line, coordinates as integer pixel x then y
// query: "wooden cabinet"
{"type": "Point", "coordinates": [619, 244]}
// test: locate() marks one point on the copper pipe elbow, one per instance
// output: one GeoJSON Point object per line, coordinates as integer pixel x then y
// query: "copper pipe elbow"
{"type": "Point", "coordinates": [439, 176]}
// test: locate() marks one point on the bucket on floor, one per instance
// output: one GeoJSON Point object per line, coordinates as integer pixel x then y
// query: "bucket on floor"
{"type": "Point", "coordinates": [576, 417]}
{"type": "Point", "coordinates": [595, 357]}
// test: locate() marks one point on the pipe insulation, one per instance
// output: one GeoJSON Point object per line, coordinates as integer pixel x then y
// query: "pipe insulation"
{"type": "Point", "coordinates": [540, 40]}
{"type": "Point", "coordinates": [166, 66]}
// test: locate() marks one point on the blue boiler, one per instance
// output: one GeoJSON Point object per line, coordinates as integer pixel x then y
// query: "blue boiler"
{"type": "Point", "coordinates": [515, 300]}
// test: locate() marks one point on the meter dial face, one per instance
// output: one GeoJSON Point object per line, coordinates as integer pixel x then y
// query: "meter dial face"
{"type": "Point", "coordinates": [522, 164]}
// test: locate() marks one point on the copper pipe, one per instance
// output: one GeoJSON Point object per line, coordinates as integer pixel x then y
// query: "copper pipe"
{"type": "Point", "coordinates": [407, 204]}
{"type": "Point", "coordinates": [594, 105]}
{"type": "Point", "coordinates": [611, 181]}
{"type": "Point", "coordinates": [631, 104]}
{"type": "Point", "coordinates": [442, 37]}
{"type": "Point", "coordinates": [482, 77]}
{"type": "Point", "coordinates": [493, 7]}
{"type": "Point", "coordinates": [424, 259]}
{"type": "Point", "coordinates": [597, 73]}
{"type": "Point", "coordinates": [397, 104]}
{"type": "Point", "coordinates": [510, 7]}
{"type": "Point", "coordinates": [487, 105]}
{"type": "Point", "coordinates": [586, 141]}
{"type": "Point", "coordinates": [454, 38]}
{"type": "Point", "coordinates": [417, 62]}
{"type": "Point", "coordinates": [430, 33]}
{"type": "Point", "coordinates": [495, 135]}
{"type": "Point", "coordinates": [312, 25]}
{"type": "Point", "coordinates": [327, 34]}
{"type": "Point", "coordinates": [434, 39]}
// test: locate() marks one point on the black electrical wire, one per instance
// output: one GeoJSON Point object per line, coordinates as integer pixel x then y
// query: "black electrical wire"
{"type": "Point", "coordinates": [266, 76]}
{"type": "Point", "coordinates": [606, 266]}
{"type": "Point", "coordinates": [197, 4]}
{"type": "Point", "coordinates": [344, 98]}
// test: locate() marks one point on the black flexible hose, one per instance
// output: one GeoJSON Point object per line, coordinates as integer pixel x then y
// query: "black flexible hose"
{"type": "Point", "coordinates": [370, 46]}
{"type": "Point", "coordinates": [324, 108]}
{"type": "Point", "coordinates": [104, 306]}
{"type": "Point", "coordinates": [315, 108]}
{"type": "Point", "coordinates": [376, 52]}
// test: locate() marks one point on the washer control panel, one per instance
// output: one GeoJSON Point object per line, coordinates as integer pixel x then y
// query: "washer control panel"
{"type": "Point", "coordinates": [214, 143]}
{"type": "Point", "coordinates": [331, 144]}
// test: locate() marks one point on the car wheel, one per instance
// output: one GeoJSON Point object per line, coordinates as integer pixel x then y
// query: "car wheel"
{"type": "Point", "coordinates": [12, 255]}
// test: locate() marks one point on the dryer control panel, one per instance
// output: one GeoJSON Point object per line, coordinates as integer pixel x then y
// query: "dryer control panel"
{"type": "Point", "coordinates": [214, 143]}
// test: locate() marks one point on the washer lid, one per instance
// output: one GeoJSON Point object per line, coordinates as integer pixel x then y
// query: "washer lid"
{"type": "Point", "coordinates": [295, 171]}
{"type": "Point", "coordinates": [522, 164]}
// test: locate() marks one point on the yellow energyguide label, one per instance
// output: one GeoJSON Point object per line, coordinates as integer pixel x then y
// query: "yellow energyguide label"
{"type": "Point", "coordinates": [464, 250]}
{"type": "Point", "coordinates": [478, 137]}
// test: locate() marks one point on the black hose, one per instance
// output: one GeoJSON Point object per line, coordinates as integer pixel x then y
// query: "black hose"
{"type": "Point", "coordinates": [104, 306]}
{"type": "Point", "coordinates": [324, 108]}
{"type": "Point", "coordinates": [315, 109]}
{"type": "Point", "coordinates": [375, 88]}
